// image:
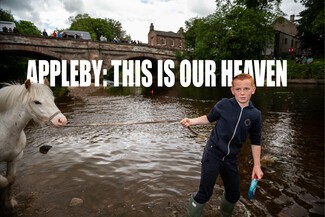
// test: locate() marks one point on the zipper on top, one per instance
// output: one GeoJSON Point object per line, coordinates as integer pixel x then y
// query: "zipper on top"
{"type": "Point", "coordinates": [233, 135]}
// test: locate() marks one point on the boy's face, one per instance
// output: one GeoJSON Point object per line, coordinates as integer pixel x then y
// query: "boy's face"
{"type": "Point", "coordinates": [242, 90]}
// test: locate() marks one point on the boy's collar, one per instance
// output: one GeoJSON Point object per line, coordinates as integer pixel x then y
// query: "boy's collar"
{"type": "Point", "coordinates": [250, 104]}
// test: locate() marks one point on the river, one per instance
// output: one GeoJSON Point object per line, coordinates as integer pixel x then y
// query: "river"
{"type": "Point", "coordinates": [150, 169]}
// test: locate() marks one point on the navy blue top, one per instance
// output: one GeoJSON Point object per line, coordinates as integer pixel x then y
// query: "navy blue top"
{"type": "Point", "coordinates": [233, 126]}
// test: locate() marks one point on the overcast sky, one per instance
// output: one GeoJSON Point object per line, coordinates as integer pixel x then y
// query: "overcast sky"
{"type": "Point", "coordinates": [134, 15]}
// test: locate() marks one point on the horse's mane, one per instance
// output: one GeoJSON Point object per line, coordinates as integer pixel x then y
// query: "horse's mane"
{"type": "Point", "coordinates": [13, 94]}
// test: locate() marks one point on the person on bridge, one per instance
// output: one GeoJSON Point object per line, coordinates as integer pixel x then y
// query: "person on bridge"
{"type": "Point", "coordinates": [45, 33]}
{"type": "Point", "coordinates": [236, 118]}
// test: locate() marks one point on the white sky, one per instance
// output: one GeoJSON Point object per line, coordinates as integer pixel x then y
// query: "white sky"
{"type": "Point", "coordinates": [134, 15]}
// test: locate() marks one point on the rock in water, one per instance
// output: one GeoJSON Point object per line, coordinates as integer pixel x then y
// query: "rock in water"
{"type": "Point", "coordinates": [44, 149]}
{"type": "Point", "coordinates": [76, 201]}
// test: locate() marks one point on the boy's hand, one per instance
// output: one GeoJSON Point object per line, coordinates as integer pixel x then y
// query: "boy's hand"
{"type": "Point", "coordinates": [186, 122]}
{"type": "Point", "coordinates": [257, 172]}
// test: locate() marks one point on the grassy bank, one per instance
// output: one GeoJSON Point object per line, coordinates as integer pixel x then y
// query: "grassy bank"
{"type": "Point", "coordinates": [315, 70]}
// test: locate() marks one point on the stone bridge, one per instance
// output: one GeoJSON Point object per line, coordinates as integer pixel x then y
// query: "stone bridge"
{"type": "Point", "coordinates": [75, 49]}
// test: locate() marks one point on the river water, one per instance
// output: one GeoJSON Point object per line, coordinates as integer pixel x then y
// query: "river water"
{"type": "Point", "coordinates": [150, 169]}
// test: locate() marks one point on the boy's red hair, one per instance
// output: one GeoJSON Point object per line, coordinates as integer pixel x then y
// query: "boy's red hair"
{"type": "Point", "coordinates": [243, 76]}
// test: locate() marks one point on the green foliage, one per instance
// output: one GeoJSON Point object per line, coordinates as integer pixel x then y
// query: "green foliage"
{"type": "Point", "coordinates": [98, 27]}
{"type": "Point", "coordinates": [314, 70]}
{"type": "Point", "coordinates": [261, 4]}
{"type": "Point", "coordinates": [311, 25]}
{"type": "Point", "coordinates": [24, 27]}
{"type": "Point", "coordinates": [13, 68]}
{"type": "Point", "coordinates": [27, 27]}
{"type": "Point", "coordinates": [6, 15]}
{"type": "Point", "coordinates": [230, 33]}
{"type": "Point", "coordinates": [59, 91]}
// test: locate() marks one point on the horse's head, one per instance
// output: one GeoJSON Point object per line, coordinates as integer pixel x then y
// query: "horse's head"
{"type": "Point", "coordinates": [41, 104]}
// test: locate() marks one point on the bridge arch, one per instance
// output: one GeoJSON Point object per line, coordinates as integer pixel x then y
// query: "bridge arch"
{"type": "Point", "coordinates": [26, 52]}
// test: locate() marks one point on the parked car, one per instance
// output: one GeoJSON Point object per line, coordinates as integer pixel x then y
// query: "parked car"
{"type": "Point", "coordinates": [76, 34]}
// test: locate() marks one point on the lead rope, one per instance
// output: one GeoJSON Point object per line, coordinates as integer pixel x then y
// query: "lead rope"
{"type": "Point", "coordinates": [137, 123]}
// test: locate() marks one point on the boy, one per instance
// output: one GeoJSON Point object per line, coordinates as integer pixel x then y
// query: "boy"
{"type": "Point", "coordinates": [236, 118]}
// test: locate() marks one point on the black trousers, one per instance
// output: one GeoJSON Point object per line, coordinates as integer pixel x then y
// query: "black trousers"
{"type": "Point", "coordinates": [210, 170]}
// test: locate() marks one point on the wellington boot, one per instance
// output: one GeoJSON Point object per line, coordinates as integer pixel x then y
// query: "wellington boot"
{"type": "Point", "coordinates": [194, 208]}
{"type": "Point", "coordinates": [226, 207]}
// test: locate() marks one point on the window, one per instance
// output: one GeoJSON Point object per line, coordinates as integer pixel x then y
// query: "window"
{"type": "Point", "coordinates": [172, 42]}
{"type": "Point", "coordinates": [163, 41]}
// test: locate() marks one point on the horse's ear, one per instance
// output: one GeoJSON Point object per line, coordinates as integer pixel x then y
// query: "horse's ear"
{"type": "Point", "coordinates": [46, 82]}
{"type": "Point", "coordinates": [28, 84]}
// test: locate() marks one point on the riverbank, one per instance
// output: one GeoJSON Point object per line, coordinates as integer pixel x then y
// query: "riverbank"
{"type": "Point", "coordinates": [92, 90]}
{"type": "Point", "coordinates": [306, 81]}
{"type": "Point", "coordinates": [81, 92]}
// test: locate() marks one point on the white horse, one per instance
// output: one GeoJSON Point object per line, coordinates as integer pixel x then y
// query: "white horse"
{"type": "Point", "coordinates": [19, 103]}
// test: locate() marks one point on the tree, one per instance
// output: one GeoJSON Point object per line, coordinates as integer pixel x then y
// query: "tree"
{"type": "Point", "coordinates": [97, 26]}
{"type": "Point", "coordinates": [6, 15]}
{"type": "Point", "coordinates": [27, 27]}
{"type": "Point", "coordinates": [311, 26]}
{"type": "Point", "coordinates": [24, 27]}
{"type": "Point", "coordinates": [235, 32]}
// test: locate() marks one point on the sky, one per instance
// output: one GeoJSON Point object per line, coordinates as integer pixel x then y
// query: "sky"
{"type": "Point", "coordinates": [134, 15]}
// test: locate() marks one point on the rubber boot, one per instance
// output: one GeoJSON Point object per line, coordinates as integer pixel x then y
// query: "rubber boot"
{"type": "Point", "coordinates": [226, 207]}
{"type": "Point", "coordinates": [194, 208]}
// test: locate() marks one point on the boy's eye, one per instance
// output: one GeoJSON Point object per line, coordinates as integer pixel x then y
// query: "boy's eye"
{"type": "Point", "coordinates": [246, 89]}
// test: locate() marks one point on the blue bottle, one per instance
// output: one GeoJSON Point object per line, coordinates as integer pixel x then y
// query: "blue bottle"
{"type": "Point", "coordinates": [252, 188]}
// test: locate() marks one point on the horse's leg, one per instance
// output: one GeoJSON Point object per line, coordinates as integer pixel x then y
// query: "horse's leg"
{"type": "Point", "coordinates": [3, 182]}
{"type": "Point", "coordinates": [11, 177]}
{"type": "Point", "coordinates": [3, 197]}
{"type": "Point", "coordinates": [7, 201]}
{"type": "Point", "coordinates": [3, 193]}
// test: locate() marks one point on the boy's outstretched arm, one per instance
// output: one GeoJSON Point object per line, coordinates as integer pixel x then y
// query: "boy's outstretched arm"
{"type": "Point", "coordinates": [257, 171]}
{"type": "Point", "coordinates": [186, 122]}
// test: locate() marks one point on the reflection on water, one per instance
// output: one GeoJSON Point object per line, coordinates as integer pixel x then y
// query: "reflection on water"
{"type": "Point", "coordinates": [150, 169]}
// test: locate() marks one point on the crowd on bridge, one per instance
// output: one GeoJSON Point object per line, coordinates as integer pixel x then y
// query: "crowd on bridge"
{"type": "Point", "coordinates": [5, 29]}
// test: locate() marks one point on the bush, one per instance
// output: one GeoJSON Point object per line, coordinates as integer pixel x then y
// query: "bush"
{"type": "Point", "coordinates": [315, 70]}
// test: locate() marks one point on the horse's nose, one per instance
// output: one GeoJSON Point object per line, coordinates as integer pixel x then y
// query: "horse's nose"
{"type": "Point", "coordinates": [62, 121]}
{"type": "Point", "coordinates": [59, 120]}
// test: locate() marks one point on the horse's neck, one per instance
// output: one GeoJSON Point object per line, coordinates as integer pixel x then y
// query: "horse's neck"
{"type": "Point", "coordinates": [16, 118]}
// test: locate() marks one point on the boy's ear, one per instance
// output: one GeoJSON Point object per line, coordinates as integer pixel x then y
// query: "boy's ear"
{"type": "Point", "coordinates": [254, 89]}
{"type": "Point", "coordinates": [232, 90]}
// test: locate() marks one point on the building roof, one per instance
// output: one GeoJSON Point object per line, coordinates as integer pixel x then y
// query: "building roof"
{"type": "Point", "coordinates": [168, 34]}
{"type": "Point", "coordinates": [285, 26]}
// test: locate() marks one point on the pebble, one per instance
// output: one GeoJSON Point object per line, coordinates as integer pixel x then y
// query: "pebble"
{"type": "Point", "coordinates": [76, 201]}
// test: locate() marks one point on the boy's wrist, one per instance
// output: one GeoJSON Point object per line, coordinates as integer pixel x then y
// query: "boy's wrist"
{"type": "Point", "coordinates": [257, 165]}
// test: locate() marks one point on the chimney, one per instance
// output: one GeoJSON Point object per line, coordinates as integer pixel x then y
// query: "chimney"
{"type": "Point", "coordinates": [152, 27]}
{"type": "Point", "coordinates": [292, 18]}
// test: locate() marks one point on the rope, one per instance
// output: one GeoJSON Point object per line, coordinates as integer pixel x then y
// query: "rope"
{"type": "Point", "coordinates": [123, 123]}
{"type": "Point", "coordinates": [137, 123]}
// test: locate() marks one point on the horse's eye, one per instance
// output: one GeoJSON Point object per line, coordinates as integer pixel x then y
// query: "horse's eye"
{"type": "Point", "coordinates": [37, 102]}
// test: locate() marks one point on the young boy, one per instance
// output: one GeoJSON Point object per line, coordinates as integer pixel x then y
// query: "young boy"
{"type": "Point", "coordinates": [236, 118]}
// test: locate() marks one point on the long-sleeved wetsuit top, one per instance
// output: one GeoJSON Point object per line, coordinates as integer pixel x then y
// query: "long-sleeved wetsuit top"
{"type": "Point", "coordinates": [233, 126]}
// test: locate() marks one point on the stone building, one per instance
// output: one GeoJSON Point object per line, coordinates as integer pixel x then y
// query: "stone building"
{"type": "Point", "coordinates": [164, 39]}
{"type": "Point", "coordinates": [286, 42]}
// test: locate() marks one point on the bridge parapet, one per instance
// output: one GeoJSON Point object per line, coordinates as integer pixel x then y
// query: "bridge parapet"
{"type": "Point", "coordinates": [71, 49]}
